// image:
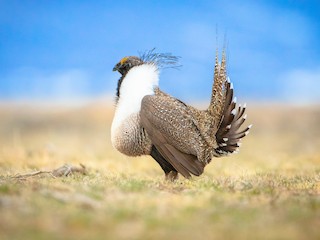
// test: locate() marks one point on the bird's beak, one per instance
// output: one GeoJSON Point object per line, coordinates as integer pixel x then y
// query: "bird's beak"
{"type": "Point", "coordinates": [116, 68]}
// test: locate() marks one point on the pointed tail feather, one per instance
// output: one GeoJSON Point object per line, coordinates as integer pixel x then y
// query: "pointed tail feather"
{"type": "Point", "coordinates": [219, 87]}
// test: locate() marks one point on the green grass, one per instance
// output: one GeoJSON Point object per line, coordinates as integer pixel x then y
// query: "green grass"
{"type": "Point", "coordinates": [270, 190]}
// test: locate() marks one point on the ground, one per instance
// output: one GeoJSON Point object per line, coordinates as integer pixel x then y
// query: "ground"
{"type": "Point", "coordinates": [270, 190]}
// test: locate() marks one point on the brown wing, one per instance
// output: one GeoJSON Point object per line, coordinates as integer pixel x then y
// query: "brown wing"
{"type": "Point", "coordinates": [166, 122]}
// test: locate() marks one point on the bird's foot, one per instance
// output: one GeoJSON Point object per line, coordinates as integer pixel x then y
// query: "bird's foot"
{"type": "Point", "coordinates": [172, 176]}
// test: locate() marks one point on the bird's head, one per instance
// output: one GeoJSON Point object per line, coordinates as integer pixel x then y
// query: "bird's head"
{"type": "Point", "coordinates": [126, 64]}
{"type": "Point", "coordinates": [150, 62]}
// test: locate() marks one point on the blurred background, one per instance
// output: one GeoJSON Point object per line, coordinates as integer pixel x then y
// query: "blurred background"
{"type": "Point", "coordinates": [64, 51]}
{"type": "Point", "coordinates": [57, 93]}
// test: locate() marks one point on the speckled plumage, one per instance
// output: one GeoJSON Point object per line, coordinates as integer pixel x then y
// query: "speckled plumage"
{"type": "Point", "coordinates": [179, 122]}
{"type": "Point", "coordinates": [178, 136]}
{"type": "Point", "coordinates": [130, 138]}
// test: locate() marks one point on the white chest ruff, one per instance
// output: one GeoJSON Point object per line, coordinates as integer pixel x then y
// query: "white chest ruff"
{"type": "Point", "coordinates": [139, 82]}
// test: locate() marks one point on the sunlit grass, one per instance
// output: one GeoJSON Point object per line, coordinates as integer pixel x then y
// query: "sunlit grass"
{"type": "Point", "coordinates": [270, 190]}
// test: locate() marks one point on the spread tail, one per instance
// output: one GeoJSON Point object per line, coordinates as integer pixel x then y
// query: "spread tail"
{"type": "Point", "coordinates": [226, 117]}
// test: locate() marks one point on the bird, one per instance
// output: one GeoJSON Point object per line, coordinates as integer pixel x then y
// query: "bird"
{"type": "Point", "coordinates": [179, 137]}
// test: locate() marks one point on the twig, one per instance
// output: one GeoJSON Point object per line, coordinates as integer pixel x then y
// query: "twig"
{"type": "Point", "coordinates": [62, 171]}
{"type": "Point", "coordinates": [66, 170]}
{"type": "Point", "coordinates": [31, 174]}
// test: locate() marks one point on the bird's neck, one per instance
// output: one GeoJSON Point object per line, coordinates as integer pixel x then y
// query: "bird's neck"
{"type": "Point", "coordinates": [137, 83]}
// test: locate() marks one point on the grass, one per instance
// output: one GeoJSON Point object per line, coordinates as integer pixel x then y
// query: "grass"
{"type": "Point", "coordinates": [270, 190]}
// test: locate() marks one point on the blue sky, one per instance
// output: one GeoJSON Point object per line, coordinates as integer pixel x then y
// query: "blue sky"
{"type": "Point", "coordinates": [65, 50]}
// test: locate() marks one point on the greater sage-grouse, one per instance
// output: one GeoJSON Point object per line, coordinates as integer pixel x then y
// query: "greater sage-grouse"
{"type": "Point", "coordinates": [181, 138]}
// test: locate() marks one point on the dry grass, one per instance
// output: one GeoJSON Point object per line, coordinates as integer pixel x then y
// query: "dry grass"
{"type": "Point", "coordinates": [270, 190]}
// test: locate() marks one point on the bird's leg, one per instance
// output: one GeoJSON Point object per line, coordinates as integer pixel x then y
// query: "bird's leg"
{"type": "Point", "coordinates": [171, 176]}
{"type": "Point", "coordinates": [169, 170]}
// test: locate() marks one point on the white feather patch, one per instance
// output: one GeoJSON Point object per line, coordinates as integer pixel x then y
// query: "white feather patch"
{"type": "Point", "coordinates": [235, 100]}
{"type": "Point", "coordinates": [139, 82]}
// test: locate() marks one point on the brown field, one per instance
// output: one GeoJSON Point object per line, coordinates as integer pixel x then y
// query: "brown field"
{"type": "Point", "coordinates": [270, 190]}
